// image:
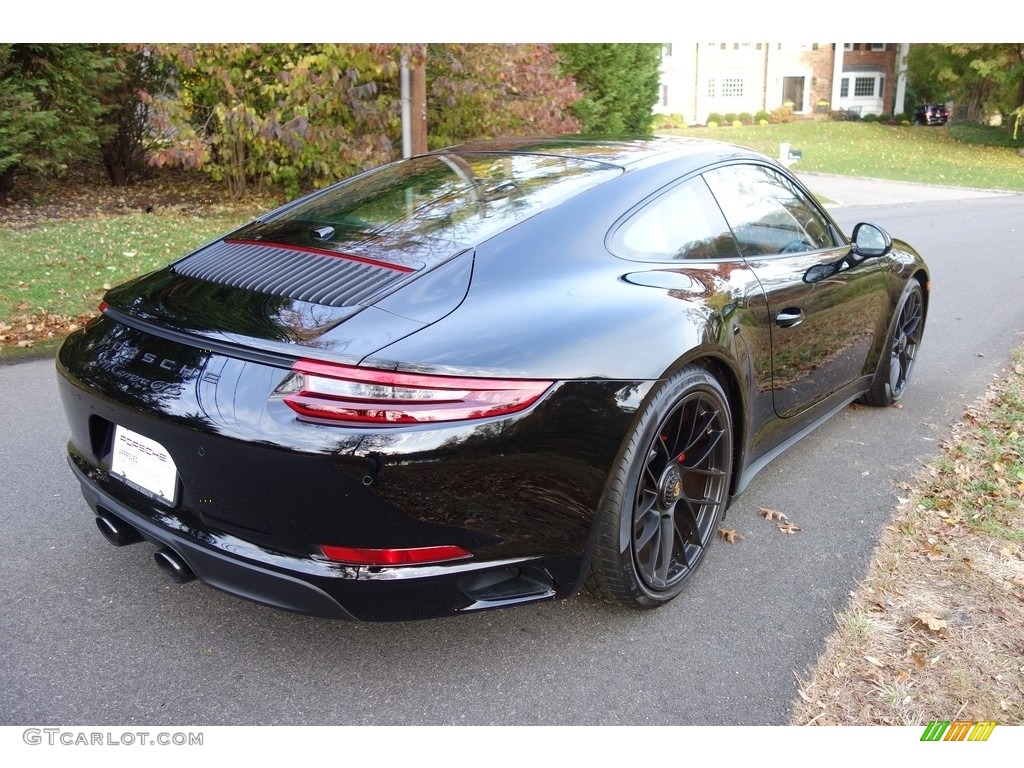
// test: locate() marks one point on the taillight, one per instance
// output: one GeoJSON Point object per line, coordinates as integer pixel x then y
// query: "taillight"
{"type": "Point", "coordinates": [343, 393]}
{"type": "Point", "coordinates": [384, 557]}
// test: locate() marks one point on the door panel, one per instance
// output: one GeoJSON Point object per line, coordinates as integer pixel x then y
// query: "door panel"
{"type": "Point", "coordinates": [822, 330]}
{"type": "Point", "coordinates": [823, 303]}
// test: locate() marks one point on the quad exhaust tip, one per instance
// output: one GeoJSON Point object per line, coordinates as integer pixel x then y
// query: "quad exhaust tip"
{"type": "Point", "coordinates": [170, 562]}
{"type": "Point", "coordinates": [117, 531]}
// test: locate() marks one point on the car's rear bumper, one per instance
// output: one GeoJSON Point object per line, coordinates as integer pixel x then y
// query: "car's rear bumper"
{"type": "Point", "coordinates": [332, 590]}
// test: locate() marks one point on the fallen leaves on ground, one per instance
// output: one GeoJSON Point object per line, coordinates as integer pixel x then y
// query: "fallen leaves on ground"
{"type": "Point", "coordinates": [781, 521]}
{"type": "Point", "coordinates": [85, 192]}
{"type": "Point", "coordinates": [772, 514]}
{"type": "Point", "coordinates": [27, 329]}
{"type": "Point", "coordinates": [729, 535]}
{"type": "Point", "coordinates": [930, 620]}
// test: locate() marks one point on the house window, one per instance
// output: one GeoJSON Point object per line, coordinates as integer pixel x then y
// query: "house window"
{"type": "Point", "coordinates": [723, 45]}
{"type": "Point", "coordinates": [711, 88]}
{"type": "Point", "coordinates": [878, 46]}
{"type": "Point", "coordinates": [732, 88]}
{"type": "Point", "coordinates": [864, 86]}
{"type": "Point", "coordinates": [666, 50]}
{"type": "Point", "coordinates": [844, 87]}
{"type": "Point", "coordinates": [759, 46]}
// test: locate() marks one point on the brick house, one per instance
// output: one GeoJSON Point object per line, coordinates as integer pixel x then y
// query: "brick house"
{"type": "Point", "coordinates": [700, 78]}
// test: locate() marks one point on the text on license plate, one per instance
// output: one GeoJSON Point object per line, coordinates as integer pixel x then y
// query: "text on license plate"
{"type": "Point", "coordinates": [144, 463]}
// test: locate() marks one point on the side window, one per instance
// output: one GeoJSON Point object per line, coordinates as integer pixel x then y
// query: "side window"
{"type": "Point", "coordinates": [683, 223]}
{"type": "Point", "coordinates": [768, 213]}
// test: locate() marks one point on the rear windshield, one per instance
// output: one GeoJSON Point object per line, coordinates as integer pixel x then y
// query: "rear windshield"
{"type": "Point", "coordinates": [434, 206]}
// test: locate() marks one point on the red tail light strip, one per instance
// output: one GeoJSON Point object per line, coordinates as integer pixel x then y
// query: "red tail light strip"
{"type": "Point", "coordinates": [412, 556]}
{"type": "Point", "coordinates": [327, 392]}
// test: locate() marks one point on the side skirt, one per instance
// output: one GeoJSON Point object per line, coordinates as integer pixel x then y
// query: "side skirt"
{"type": "Point", "coordinates": [750, 470]}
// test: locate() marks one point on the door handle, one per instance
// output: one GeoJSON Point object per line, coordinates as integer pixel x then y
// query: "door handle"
{"type": "Point", "coordinates": [789, 318]}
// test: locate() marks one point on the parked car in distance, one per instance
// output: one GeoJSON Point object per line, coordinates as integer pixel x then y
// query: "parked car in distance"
{"type": "Point", "coordinates": [484, 376]}
{"type": "Point", "coordinates": [931, 114]}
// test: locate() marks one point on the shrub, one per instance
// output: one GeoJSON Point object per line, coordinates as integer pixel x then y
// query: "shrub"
{"type": "Point", "coordinates": [674, 120]}
{"type": "Point", "coordinates": [714, 117]}
{"type": "Point", "coordinates": [746, 118]}
{"type": "Point", "coordinates": [762, 121]}
{"type": "Point", "coordinates": [762, 115]}
{"type": "Point", "coordinates": [737, 123]}
{"type": "Point", "coordinates": [712, 123]}
{"type": "Point", "coordinates": [730, 117]}
{"type": "Point", "coordinates": [783, 114]}
{"type": "Point", "coordinates": [870, 118]}
{"type": "Point", "coordinates": [844, 115]}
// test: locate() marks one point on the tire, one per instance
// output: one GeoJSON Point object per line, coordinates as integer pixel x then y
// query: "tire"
{"type": "Point", "coordinates": [666, 495]}
{"type": "Point", "coordinates": [897, 360]}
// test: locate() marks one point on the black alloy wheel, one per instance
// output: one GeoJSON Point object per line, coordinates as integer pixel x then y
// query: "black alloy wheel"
{"type": "Point", "coordinates": [668, 494]}
{"type": "Point", "coordinates": [897, 361]}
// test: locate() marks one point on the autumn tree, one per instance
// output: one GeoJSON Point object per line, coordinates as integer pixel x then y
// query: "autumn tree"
{"type": "Point", "coordinates": [981, 78]}
{"type": "Point", "coordinates": [477, 91]}
{"type": "Point", "coordinates": [619, 84]}
{"type": "Point", "coordinates": [290, 114]}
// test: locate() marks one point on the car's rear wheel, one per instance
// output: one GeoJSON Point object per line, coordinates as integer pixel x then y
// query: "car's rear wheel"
{"type": "Point", "coordinates": [897, 361]}
{"type": "Point", "coordinates": [667, 494]}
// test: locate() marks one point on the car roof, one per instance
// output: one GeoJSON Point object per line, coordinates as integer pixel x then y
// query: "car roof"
{"type": "Point", "coordinates": [621, 152]}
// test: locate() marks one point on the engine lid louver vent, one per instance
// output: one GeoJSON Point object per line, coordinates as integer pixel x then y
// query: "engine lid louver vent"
{"type": "Point", "coordinates": [302, 274]}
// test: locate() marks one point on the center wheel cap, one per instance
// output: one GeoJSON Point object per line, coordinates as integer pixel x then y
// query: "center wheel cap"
{"type": "Point", "coordinates": [671, 486]}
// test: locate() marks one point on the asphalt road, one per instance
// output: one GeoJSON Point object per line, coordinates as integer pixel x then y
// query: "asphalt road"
{"type": "Point", "coordinates": [92, 634]}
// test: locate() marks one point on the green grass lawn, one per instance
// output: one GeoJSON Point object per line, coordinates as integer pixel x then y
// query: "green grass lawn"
{"type": "Point", "coordinates": [64, 267]}
{"type": "Point", "coordinates": [922, 154]}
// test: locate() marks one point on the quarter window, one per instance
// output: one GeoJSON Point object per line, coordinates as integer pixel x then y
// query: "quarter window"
{"type": "Point", "coordinates": [683, 223]}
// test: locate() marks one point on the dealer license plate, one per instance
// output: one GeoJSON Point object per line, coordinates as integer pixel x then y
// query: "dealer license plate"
{"type": "Point", "coordinates": [144, 464]}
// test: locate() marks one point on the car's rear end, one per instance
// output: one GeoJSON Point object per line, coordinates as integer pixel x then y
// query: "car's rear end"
{"type": "Point", "coordinates": [218, 409]}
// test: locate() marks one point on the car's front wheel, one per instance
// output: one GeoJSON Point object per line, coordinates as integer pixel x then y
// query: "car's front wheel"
{"type": "Point", "coordinates": [667, 494]}
{"type": "Point", "coordinates": [897, 361]}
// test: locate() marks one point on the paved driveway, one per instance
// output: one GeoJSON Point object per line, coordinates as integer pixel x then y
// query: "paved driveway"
{"type": "Point", "coordinates": [848, 190]}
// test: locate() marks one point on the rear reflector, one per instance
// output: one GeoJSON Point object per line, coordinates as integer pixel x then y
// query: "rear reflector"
{"type": "Point", "coordinates": [413, 556]}
{"type": "Point", "coordinates": [341, 393]}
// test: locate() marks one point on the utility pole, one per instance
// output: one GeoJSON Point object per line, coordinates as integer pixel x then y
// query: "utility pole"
{"type": "Point", "coordinates": [418, 88]}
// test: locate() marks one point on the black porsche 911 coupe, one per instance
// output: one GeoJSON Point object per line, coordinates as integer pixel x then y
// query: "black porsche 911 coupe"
{"type": "Point", "coordinates": [485, 376]}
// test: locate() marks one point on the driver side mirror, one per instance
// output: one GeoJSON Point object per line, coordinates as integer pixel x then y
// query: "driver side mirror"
{"type": "Point", "coordinates": [870, 240]}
